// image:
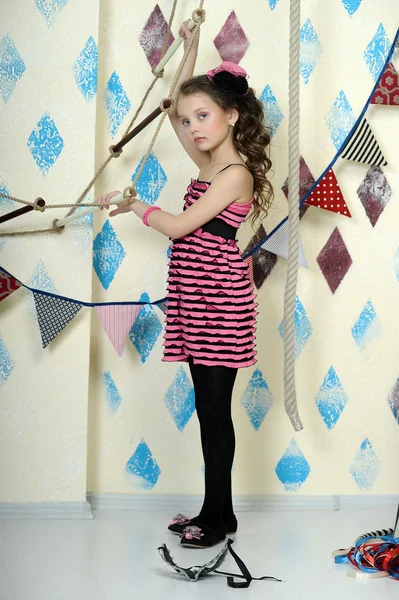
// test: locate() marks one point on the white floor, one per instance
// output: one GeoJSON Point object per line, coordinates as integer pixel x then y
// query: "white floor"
{"type": "Point", "coordinates": [115, 557]}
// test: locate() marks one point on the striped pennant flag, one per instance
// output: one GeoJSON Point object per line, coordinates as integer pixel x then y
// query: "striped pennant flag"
{"type": "Point", "coordinates": [117, 320]}
{"type": "Point", "coordinates": [363, 147]}
{"type": "Point", "coordinates": [278, 244]}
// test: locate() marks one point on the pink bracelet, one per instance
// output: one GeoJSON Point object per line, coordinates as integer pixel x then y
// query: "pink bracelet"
{"type": "Point", "coordinates": [148, 212]}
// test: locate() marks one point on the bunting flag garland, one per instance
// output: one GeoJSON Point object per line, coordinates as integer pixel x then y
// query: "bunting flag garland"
{"type": "Point", "coordinates": [117, 321]}
{"type": "Point", "coordinates": [387, 91]}
{"type": "Point", "coordinates": [363, 147]}
{"type": "Point", "coordinates": [278, 244]}
{"type": "Point", "coordinates": [53, 315]}
{"type": "Point", "coordinates": [163, 306]}
{"type": "Point", "coordinates": [8, 285]}
{"type": "Point", "coordinates": [327, 195]}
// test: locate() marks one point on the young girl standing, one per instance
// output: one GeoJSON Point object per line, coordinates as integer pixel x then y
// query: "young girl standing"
{"type": "Point", "coordinates": [211, 307]}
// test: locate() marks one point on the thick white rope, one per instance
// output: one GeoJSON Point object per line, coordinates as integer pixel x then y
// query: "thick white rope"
{"type": "Point", "coordinates": [293, 216]}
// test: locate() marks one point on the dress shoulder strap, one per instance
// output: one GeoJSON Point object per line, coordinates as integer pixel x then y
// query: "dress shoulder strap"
{"type": "Point", "coordinates": [231, 165]}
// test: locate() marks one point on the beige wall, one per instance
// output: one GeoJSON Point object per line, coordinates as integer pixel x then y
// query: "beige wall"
{"type": "Point", "coordinates": [47, 433]}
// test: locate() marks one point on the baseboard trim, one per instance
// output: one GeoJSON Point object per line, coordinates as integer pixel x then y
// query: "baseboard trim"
{"type": "Point", "coordinates": [241, 503]}
{"type": "Point", "coordinates": [45, 510]}
{"type": "Point", "coordinates": [189, 503]}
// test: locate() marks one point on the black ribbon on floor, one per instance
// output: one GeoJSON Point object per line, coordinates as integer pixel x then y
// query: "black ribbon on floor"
{"type": "Point", "coordinates": [193, 573]}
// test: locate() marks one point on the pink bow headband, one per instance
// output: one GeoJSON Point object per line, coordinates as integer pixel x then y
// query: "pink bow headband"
{"type": "Point", "coordinates": [230, 67]}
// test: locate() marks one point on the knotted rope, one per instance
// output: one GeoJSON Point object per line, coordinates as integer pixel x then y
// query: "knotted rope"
{"type": "Point", "coordinates": [293, 214]}
{"type": "Point", "coordinates": [129, 192]}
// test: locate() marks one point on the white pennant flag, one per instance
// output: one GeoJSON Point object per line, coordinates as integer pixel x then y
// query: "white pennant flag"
{"type": "Point", "coordinates": [278, 244]}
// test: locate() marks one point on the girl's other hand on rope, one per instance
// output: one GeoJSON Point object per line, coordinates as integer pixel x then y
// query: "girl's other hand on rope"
{"type": "Point", "coordinates": [185, 33]}
{"type": "Point", "coordinates": [105, 200]}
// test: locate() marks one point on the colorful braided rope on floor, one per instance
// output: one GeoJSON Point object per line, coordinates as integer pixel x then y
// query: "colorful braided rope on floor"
{"type": "Point", "coordinates": [374, 555]}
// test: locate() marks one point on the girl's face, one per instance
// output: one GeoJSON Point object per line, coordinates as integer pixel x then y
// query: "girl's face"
{"type": "Point", "coordinates": [205, 123]}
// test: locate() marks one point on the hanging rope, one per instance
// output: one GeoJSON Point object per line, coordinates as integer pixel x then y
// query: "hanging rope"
{"type": "Point", "coordinates": [293, 217]}
{"type": "Point", "coordinates": [199, 17]}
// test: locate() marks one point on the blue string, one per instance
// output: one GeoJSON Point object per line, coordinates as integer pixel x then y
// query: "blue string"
{"type": "Point", "coordinates": [91, 304]}
{"type": "Point", "coordinates": [334, 160]}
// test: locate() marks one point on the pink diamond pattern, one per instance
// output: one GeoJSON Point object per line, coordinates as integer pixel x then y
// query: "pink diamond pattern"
{"type": "Point", "coordinates": [263, 261]}
{"type": "Point", "coordinates": [334, 260]}
{"type": "Point", "coordinates": [374, 193]}
{"type": "Point", "coordinates": [231, 42]}
{"type": "Point", "coordinates": [153, 35]}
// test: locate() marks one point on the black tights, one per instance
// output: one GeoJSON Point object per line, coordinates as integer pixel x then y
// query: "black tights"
{"type": "Point", "coordinates": [213, 388]}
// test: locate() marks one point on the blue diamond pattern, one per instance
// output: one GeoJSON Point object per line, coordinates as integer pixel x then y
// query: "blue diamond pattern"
{"type": "Point", "coordinates": [273, 114]}
{"type": "Point", "coordinates": [6, 206]}
{"type": "Point", "coordinates": [45, 143]}
{"type": "Point", "coordinates": [146, 329]}
{"type": "Point", "coordinates": [12, 67]}
{"type": "Point", "coordinates": [351, 5]}
{"type": "Point", "coordinates": [85, 70]}
{"type": "Point", "coordinates": [108, 253]}
{"type": "Point", "coordinates": [365, 467]}
{"type": "Point", "coordinates": [303, 327]}
{"type": "Point", "coordinates": [50, 9]}
{"type": "Point", "coordinates": [180, 399]}
{"type": "Point", "coordinates": [340, 120]}
{"type": "Point", "coordinates": [5, 202]}
{"type": "Point", "coordinates": [152, 180]}
{"type": "Point", "coordinates": [376, 52]}
{"type": "Point", "coordinates": [273, 4]}
{"type": "Point", "coordinates": [331, 399]}
{"type": "Point", "coordinates": [293, 468]}
{"type": "Point", "coordinates": [143, 465]}
{"type": "Point", "coordinates": [112, 395]}
{"type": "Point", "coordinates": [40, 280]}
{"type": "Point", "coordinates": [6, 363]}
{"type": "Point", "coordinates": [311, 50]}
{"type": "Point", "coordinates": [117, 103]}
{"type": "Point", "coordinates": [367, 329]}
{"type": "Point", "coordinates": [257, 399]}
{"type": "Point", "coordinates": [82, 229]}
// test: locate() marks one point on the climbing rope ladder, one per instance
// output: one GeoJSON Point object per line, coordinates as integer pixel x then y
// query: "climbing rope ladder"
{"type": "Point", "coordinates": [198, 18]}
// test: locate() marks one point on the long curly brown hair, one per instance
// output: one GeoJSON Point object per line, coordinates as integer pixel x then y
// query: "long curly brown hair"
{"type": "Point", "coordinates": [251, 136]}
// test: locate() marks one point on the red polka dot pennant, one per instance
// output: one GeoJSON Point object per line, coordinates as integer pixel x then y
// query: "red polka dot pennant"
{"type": "Point", "coordinates": [327, 195]}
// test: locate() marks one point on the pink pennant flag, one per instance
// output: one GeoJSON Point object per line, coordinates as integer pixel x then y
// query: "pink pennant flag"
{"type": "Point", "coordinates": [117, 320]}
{"type": "Point", "coordinates": [8, 285]}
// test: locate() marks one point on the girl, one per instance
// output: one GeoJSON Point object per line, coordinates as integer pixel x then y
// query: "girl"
{"type": "Point", "coordinates": [211, 307]}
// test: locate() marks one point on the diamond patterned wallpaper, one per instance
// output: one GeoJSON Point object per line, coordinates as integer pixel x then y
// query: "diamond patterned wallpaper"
{"type": "Point", "coordinates": [64, 104]}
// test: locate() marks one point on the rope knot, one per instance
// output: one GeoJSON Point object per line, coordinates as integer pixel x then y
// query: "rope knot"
{"type": "Point", "coordinates": [199, 15]}
{"type": "Point", "coordinates": [129, 192]}
{"type": "Point", "coordinates": [160, 74]}
{"type": "Point", "coordinates": [114, 153]}
{"type": "Point", "coordinates": [56, 227]}
{"type": "Point", "coordinates": [39, 204]}
{"type": "Point", "coordinates": [166, 105]}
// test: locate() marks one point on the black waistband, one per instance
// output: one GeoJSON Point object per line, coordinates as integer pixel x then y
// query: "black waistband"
{"type": "Point", "coordinates": [219, 227]}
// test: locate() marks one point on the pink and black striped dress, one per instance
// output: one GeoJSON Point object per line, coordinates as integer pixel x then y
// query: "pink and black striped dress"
{"type": "Point", "coordinates": [211, 308]}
